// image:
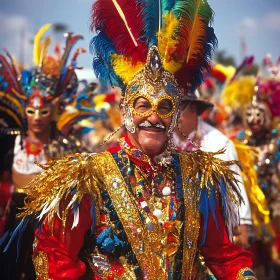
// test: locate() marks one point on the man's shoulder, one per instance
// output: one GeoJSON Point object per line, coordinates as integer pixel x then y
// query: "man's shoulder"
{"type": "Point", "coordinates": [75, 176]}
{"type": "Point", "coordinates": [213, 135]}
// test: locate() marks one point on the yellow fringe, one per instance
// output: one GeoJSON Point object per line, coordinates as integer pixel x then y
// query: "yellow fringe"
{"type": "Point", "coordinates": [259, 209]}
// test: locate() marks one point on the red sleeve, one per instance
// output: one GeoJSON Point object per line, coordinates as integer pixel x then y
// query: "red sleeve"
{"type": "Point", "coordinates": [224, 258]}
{"type": "Point", "coordinates": [62, 250]}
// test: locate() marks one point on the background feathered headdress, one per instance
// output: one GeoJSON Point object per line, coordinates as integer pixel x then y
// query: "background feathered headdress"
{"type": "Point", "coordinates": [125, 30]}
{"type": "Point", "coordinates": [52, 77]}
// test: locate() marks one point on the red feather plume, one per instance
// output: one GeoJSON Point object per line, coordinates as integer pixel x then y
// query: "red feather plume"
{"type": "Point", "coordinates": [106, 18]}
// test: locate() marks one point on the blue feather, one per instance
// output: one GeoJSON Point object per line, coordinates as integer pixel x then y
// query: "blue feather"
{"type": "Point", "coordinates": [18, 231]}
{"type": "Point", "coordinates": [212, 204]}
{"type": "Point", "coordinates": [26, 77]}
{"type": "Point", "coordinates": [102, 47]}
{"type": "Point", "coordinates": [166, 6]}
{"type": "Point", "coordinates": [212, 43]}
{"type": "Point", "coordinates": [204, 210]}
{"type": "Point", "coordinates": [150, 14]}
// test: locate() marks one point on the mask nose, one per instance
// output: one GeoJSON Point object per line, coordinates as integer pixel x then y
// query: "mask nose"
{"type": "Point", "coordinates": [37, 114]}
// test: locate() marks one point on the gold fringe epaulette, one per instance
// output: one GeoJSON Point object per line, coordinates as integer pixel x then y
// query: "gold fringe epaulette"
{"type": "Point", "coordinates": [211, 170]}
{"type": "Point", "coordinates": [69, 179]}
{"type": "Point", "coordinates": [213, 183]}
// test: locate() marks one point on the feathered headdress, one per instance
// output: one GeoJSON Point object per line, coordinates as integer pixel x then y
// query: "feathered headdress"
{"type": "Point", "coordinates": [127, 29]}
{"type": "Point", "coordinates": [261, 91]}
{"type": "Point", "coordinates": [134, 36]}
{"type": "Point", "coordinates": [50, 78]}
{"type": "Point", "coordinates": [268, 85]}
{"type": "Point", "coordinates": [239, 89]}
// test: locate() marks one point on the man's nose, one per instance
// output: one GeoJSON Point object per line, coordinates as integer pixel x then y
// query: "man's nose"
{"type": "Point", "coordinates": [154, 118]}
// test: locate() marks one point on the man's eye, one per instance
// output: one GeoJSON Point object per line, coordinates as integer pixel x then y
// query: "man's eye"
{"type": "Point", "coordinates": [142, 107]}
{"type": "Point", "coordinates": [30, 112]}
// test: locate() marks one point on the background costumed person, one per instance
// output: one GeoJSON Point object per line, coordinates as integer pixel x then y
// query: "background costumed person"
{"type": "Point", "coordinates": [193, 133]}
{"type": "Point", "coordinates": [30, 100]}
{"type": "Point", "coordinates": [140, 210]}
{"type": "Point", "coordinates": [257, 101]}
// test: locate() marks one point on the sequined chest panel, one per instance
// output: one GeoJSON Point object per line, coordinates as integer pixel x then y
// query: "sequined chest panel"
{"type": "Point", "coordinates": [142, 235]}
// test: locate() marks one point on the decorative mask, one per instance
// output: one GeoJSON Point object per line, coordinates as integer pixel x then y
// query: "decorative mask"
{"type": "Point", "coordinates": [157, 86]}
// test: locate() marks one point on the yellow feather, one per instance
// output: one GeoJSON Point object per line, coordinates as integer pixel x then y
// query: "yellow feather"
{"type": "Point", "coordinates": [37, 40]}
{"type": "Point", "coordinates": [198, 32]}
{"type": "Point", "coordinates": [44, 49]}
{"type": "Point", "coordinates": [125, 68]}
{"type": "Point", "coordinates": [238, 94]}
{"type": "Point", "coordinates": [228, 71]}
{"type": "Point", "coordinates": [166, 43]}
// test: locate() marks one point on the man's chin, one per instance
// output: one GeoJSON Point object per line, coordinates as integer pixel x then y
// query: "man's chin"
{"type": "Point", "coordinates": [153, 145]}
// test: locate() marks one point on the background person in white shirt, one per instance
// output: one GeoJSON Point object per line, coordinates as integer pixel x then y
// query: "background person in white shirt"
{"type": "Point", "coordinates": [210, 139]}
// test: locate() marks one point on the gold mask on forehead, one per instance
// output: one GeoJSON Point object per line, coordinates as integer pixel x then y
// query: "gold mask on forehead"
{"type": "Point", "coordinates": [156, 85]}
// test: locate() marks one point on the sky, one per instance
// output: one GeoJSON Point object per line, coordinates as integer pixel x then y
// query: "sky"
{"type": "Point", "coordinates": [253, 24]}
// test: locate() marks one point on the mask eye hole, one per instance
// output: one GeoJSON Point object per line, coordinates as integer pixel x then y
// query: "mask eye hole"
{"type": "Point", "coordinates": [142, 105]}
{"type": "Point", "coordinates": [30, 112]}
{"type": "Point", "coordinates": [44, 112]}
{"type": "Point", "coordinates": [164, 107]}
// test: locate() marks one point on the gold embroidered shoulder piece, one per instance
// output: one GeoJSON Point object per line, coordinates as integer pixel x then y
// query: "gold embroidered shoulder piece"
{"type": "Point", "coordinates": [212, 181]}
{"type": "Point", "coordinates": [211, 171]}
{"type": "Point", "coordinates": [69, 178]}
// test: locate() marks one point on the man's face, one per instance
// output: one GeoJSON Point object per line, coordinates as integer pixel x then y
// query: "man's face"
{"type": "Point", "coordinates": [187, 118]}
{"type": "Point", "coordinates": [38, 120]}
{"type": "Point", "coordinates": [151, 126]}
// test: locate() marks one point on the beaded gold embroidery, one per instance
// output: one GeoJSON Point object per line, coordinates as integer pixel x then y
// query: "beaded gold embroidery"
{"type": "Point", "coordinates": [40, 261]}
{"type": "Point", "coordinates": [240, 275]}
{"type": "Point", "coordinates": [128, 213]}
{"type": "Point", "coordinates": [192, 216]}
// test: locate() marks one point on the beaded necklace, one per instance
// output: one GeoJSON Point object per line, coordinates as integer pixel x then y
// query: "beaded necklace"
{"type": "Point", "coordinates": [152, 184]}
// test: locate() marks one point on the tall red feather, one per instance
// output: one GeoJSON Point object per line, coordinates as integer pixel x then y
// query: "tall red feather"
{"type": "Point", "coordinates": [105, 17]}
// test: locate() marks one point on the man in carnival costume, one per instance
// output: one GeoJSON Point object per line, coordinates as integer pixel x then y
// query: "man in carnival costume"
{"type": "Point", "coordinates": [140, 210]}
{"type": "Point", "coordinates": [32, 100]}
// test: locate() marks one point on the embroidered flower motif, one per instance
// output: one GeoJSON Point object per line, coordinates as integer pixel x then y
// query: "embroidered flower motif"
{"type": "Point", "coordinates": [33, 148]}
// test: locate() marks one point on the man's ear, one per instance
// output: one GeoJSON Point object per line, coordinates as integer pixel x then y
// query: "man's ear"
{"type": "Point", "coordinates": [121, 108]}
